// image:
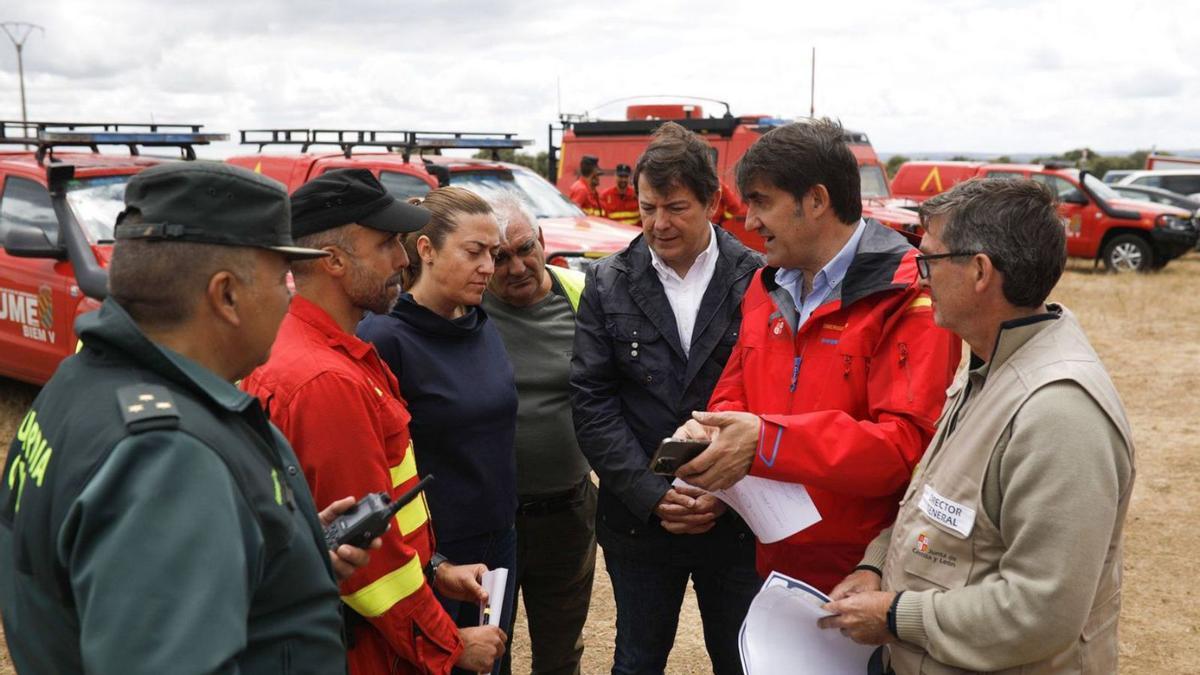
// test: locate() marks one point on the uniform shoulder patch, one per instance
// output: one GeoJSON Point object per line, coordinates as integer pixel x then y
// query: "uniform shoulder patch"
{"type": "Point", "coordinates": [147, 406]}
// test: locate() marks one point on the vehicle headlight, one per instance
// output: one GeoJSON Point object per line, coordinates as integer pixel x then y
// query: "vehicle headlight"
{"type": "Point", "coordinates": [1173, 222]}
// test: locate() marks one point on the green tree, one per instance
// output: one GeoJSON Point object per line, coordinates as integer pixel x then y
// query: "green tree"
{"type": "Point", "coordinates": [893, 164]}
{"type": "Point", "coordinates": [539, 162]}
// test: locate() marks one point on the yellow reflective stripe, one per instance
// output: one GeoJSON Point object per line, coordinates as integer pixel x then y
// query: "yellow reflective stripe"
{"type": "Point", "coordinates": [920, 302]}
{"type": "Point", "coordinates": [413, 517]}
{"type": "Point", "coordinates": [379, 596]}
{"type": "Point", "coordinates": [617, 215]}
{"type": "Point", "coordinates": [572, 283]}
{"type": "Point", "coordinates": [406, 469]}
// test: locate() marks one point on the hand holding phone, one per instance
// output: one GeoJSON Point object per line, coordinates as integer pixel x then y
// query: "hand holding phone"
{"type": "Point", "coordinates": [673, 453]}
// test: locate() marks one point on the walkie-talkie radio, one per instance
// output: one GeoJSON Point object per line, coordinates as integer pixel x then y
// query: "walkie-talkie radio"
{"type": "Point", "coordinates": [368, 518]}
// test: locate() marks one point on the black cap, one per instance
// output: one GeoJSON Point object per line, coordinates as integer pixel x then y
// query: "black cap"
{"type": "Point", "coordinates": [210, 203]}
{"type": "Point", "coordinates": [589, 162]}
{"type": "Point", "coordinates": [345, 196]}
{"type": "Point", "coordinates": [623, 170]}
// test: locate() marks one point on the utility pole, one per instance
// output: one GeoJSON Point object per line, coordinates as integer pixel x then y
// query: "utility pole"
{"type": "Point", "coordinates": [18, 32]}
{"type": "Point", "coordinates": [812, 92]}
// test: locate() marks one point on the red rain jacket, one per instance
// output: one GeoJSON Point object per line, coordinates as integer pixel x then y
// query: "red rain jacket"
{"type": "Point", "coordinates": [849, 400]}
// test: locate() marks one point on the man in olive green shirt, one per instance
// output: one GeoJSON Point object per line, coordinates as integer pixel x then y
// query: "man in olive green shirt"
{"type": "Point", "coordinates": [533, 306]}
{"type": "Point", "coordinates": [1006, 552]}
{"type": "Point", "coordinates": [151, 518]}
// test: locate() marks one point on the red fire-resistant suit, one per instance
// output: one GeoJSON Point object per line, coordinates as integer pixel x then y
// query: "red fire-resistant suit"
{"type": "Point", "coordinates": [849, 400]}
{"type": "Point", "coordinates": [340, 406]}
{"type": "Point", "coordinates": [621, 205]}
{"type": "Point", "coordinates": [585, 198]}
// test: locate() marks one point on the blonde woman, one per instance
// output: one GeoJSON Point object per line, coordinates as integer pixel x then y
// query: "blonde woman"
{"type": "Point", "coordinates": [455, 374]}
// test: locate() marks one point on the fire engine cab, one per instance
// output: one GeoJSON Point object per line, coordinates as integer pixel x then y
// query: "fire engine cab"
{"type": "Point", "coordinates": [58, 206]}
{"type": "Point", "coordinates": [622, 142]}
{"type": "Point", "coordinates": [410, 164]}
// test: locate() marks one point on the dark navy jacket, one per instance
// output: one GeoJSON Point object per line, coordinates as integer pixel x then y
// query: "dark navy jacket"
{"type": "Point", "coordinates": [627, 398]}
{"type": "Point", "coordinates": [459, 385]}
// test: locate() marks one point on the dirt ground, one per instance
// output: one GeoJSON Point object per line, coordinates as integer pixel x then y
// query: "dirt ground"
{"type": "Point", "coordinates": [1147, 330]}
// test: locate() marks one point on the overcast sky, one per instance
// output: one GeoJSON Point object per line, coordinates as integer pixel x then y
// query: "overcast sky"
{"type": "Point", "coordinates": [999, 77]}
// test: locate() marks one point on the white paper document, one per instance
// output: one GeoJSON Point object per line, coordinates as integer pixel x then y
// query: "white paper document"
{"type": "Point", "coordinates": [780, 634]}
{"type": "Point", "coordinates": [494, 582]}
{"type": "Point", "coordinates": [774, 510]}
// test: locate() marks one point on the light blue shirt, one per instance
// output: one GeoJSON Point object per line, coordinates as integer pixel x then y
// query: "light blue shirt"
{"type": "Point", "coordinates": [829, 278]}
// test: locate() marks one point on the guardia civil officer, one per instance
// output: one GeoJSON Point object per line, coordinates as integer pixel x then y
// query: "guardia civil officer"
{"type": "Point", "coordinates": [151, 518]}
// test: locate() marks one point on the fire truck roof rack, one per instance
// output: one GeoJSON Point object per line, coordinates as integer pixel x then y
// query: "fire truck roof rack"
{"type": "Point", "coordinates": [46, 136]}
{"type": "Point", "coordinates": [393, 140]}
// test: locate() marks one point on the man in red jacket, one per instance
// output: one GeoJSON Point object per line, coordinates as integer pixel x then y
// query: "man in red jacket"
{"type": "Point", "coordinates": [839, 374]}
{"type": "Point", "coordinates": [620, 202]}
{"type": "Point", "coordinates": [340, 406]}
{"type": "Point", "coordinates": [583, 191]}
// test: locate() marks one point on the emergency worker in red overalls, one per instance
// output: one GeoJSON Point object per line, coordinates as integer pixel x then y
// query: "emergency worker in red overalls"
{"type": "Point", "coordinates": [583, 191]}
{"type": "Point", "coordinates": [620, 202]}
{"type": "Point", "coordinates": [341, 408]}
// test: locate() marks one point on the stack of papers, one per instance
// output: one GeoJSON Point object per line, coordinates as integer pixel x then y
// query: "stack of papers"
{"type": "Point", "coordinates": [495, 583]}
{"type": "Point", "coordinates": [780, 634]}
{"type": "Point", "coordinates": [774, 510]}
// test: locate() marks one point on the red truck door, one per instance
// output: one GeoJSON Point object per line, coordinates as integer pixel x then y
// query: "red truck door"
{"type": "Point", "coordinates": [37, 296]}
{"type": "Point", "coordinates": [1083, 218]}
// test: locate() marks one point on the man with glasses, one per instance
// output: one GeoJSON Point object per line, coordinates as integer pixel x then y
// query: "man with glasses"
{"type": "Point", "coordinates": [839, 374]}
{"type": "Point", "coordinates": [1006, 553]}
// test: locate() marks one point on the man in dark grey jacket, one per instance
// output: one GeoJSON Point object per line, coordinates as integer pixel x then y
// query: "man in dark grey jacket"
{"type": "Point", "coordinates": [655, 327]}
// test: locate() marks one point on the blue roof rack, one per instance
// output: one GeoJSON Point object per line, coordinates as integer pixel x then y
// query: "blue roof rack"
{"type": "Point", "coordinates": [46, 136]}
{"type": "Point", "coordinates": [393, 140]}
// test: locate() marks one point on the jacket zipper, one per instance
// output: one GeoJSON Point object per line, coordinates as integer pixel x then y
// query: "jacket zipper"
{"type": "Point", "coordinates": [904, 366]}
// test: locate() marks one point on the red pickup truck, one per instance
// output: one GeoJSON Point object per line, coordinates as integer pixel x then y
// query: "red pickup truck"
{"type": "Point", "coordinates": [57, 210]}
{"type": "Point", "coordinates": [1124, 234]}
{"type": "Point", "coordinates": [411, 165]}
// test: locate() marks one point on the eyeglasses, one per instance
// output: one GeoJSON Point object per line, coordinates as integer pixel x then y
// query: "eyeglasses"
{"type": "Point", "coordinates": [923, 260]}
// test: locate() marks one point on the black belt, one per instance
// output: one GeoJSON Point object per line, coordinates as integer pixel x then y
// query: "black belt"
{"type": "Point", "coordinates": [557, 502]}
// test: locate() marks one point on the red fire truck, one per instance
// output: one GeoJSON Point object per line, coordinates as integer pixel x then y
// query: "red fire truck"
{"type": "Point", "coordinates": [410, 164]}
{"type": "Point", "coordinates": [57, 211]}
{"type": "Point", "coordinates": [622, 142]}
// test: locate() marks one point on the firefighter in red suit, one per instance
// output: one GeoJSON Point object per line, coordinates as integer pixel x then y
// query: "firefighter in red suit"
{"type": "Point", "coordinates": [583, 191]}
{"type": "Point", "coordinates": [620, 202]}
{"type": "Point", "coordinates": [839, 374]}
{"type": "Point", "coordinates": [341, 408]}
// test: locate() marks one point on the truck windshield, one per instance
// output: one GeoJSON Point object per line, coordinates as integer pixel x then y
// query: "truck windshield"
{"type": "Point", "coordinates": [96, 203]}
{"type": "Point", "coordinates": [541, 197]}
{"type": "Point", "coordinates": [1099, 188]}
{"type": "Point", "coordinates": [874, 183]}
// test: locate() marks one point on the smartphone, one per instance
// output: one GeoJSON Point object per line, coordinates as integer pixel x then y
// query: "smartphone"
{"type": "Point", "coordinates": [673, 453]}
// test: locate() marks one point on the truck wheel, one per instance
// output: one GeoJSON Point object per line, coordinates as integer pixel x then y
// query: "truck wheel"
{"type": "Point", "coordinates": [1128, 253]}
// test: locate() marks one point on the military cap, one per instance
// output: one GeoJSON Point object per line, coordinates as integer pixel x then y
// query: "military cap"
{"type": "Point", "coordinates": [210, 203]}
{"type": "Point", "coordinates": [345, 196]}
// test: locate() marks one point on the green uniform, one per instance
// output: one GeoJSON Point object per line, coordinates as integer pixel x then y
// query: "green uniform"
{"type": "Point", "coordinates": [153, 521]}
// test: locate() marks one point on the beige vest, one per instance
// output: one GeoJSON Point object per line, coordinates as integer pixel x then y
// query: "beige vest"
{"type": "Point", "coordinates": [925, 553]}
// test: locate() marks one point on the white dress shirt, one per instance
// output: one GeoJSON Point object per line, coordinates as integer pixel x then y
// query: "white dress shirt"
{"type": "Point", "coordinates": [685, 293]}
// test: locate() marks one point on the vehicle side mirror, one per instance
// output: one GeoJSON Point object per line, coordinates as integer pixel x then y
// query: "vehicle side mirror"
{"type": "Point", "coordinates": [24, 241]}
{"type": "Point", "coordinates": [1075, 197]}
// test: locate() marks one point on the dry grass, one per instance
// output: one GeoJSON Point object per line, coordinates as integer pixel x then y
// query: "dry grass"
{"type": "Point", "coordinates": [1147, 329]}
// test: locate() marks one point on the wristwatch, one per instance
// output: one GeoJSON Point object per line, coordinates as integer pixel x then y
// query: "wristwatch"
{"type": "Point", "coordinates": [434, 562]}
